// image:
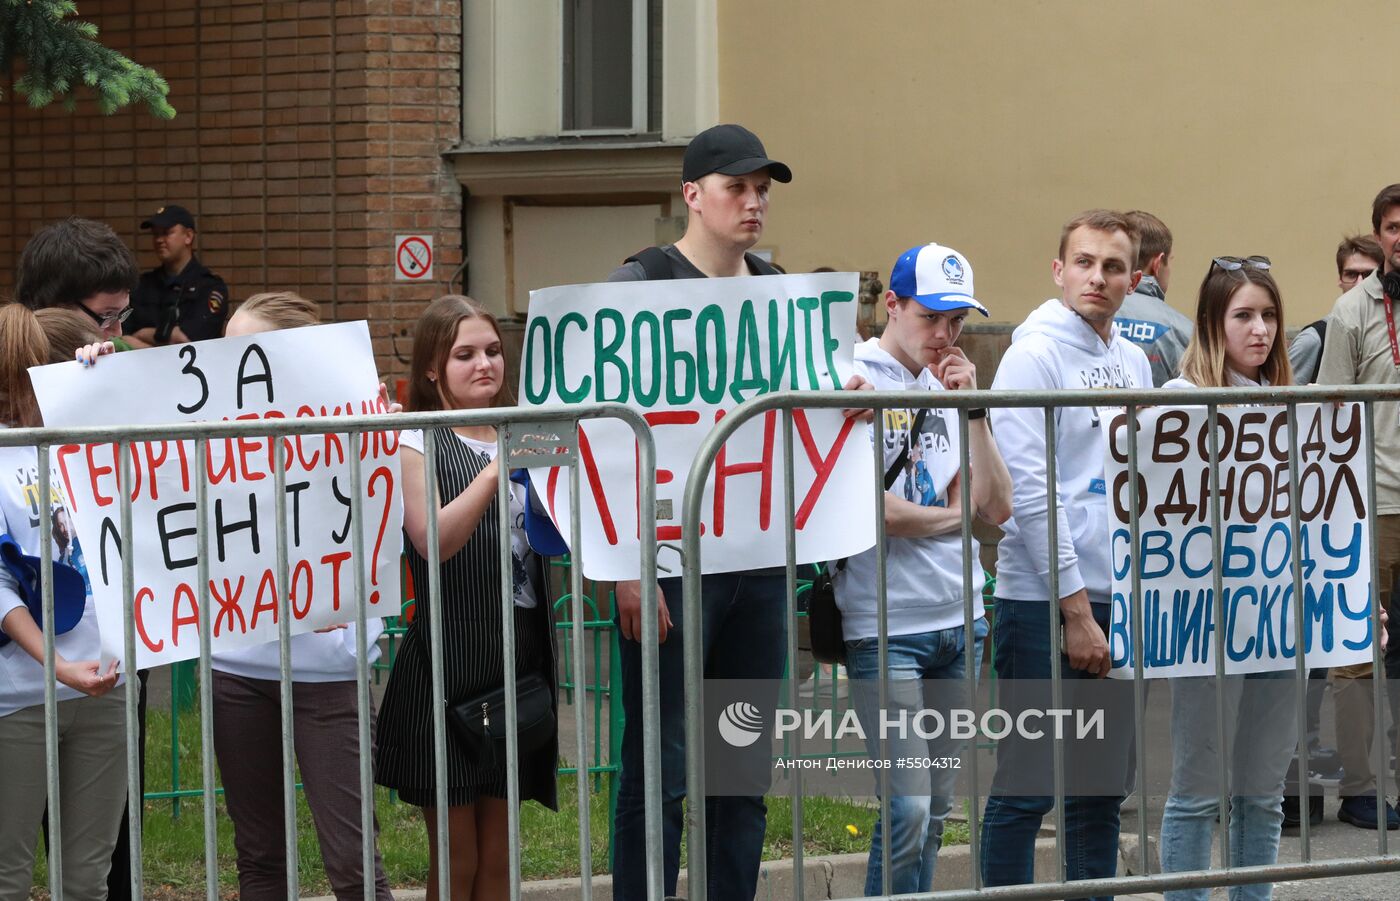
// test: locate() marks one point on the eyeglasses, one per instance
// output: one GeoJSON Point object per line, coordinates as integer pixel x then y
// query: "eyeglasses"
{"type": "Point", "coordinates": [1234, 264]}
{"type": "Point", "coordinates": [1355, 275]}
{"type": "Point", "coordinates": [110, 319]}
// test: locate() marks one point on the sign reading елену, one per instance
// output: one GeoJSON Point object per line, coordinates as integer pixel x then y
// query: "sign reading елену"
{"type": "Point", "coordinates": [1256, 540]}
{"type": "Point", "coordinates": [325, 370]}
{"type": "Point", "coordinates": [684, 353]}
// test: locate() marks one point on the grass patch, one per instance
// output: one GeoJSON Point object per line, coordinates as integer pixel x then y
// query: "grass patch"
{"type": "Point", "coordinates": [824, 827]}
{"type": "Point", "coordinates": [173, 856]}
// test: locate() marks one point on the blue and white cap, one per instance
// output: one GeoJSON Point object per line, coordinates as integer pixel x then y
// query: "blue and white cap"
{"type": "Point", "coordinates": [938, 277]}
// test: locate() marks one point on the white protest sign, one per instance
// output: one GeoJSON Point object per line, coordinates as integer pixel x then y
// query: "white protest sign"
{"type": "Point", "coordinates": [324, 370]}
{"type": "Point", "coordinates": [1177, 571]}
{"type": "Point", "coordinates": [684, 353]}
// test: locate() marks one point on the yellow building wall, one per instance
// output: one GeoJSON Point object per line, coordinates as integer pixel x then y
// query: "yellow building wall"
{"type": "Point", "coordinates": [1249, 127]}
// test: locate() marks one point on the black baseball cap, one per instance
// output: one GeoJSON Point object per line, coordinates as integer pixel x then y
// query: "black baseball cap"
{"type": "Point", "coordinates": [729, 150]}
{"type": "Point", "coordinates": [170, 215]}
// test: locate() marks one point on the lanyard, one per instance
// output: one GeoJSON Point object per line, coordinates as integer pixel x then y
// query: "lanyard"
{"type": "Point", "coordinates": [1390, 326]}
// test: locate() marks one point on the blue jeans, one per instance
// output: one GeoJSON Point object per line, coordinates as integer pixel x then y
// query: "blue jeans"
{"type": "Point", "coordinates": [1261, 735]}
{"type": "Point", "coordinates": [1021, 645]}
{"type": "Point", "coordinates": [920, 799]}
{"type": "Point", "coordinates": [744, 637]}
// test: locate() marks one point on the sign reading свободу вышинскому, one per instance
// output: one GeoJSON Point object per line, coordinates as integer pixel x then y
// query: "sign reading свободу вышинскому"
{"type": "Point", "coordinates": [1256, 541]}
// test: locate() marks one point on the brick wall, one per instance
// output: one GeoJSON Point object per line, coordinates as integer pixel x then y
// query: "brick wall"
{"type": "Point", "coordinates": [308, 135]}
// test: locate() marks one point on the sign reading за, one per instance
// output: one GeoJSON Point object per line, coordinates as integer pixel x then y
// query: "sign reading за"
{"type": "Point", "coordinates": [683, 353]}
{"type": "Point", "coordinates": [1177, 570]}
{"type": "Point", "coordinates": [325, 370]}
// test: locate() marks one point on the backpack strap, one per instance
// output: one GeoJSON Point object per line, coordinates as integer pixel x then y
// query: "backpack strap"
{"type": "Point", "coordinates": [892, 473]}
{"type": "Point", "coordinates": [1320, 326]}
{"type": "Point", "coordinates": [654, 262]}
{"type": "Point", "coordinates": [657, 265]}
{"type": "Point", "coordinates": [759, 266]}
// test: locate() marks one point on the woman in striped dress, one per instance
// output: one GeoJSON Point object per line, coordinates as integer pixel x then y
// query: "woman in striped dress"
{"type": "Point", "coordinates": [458, 364]}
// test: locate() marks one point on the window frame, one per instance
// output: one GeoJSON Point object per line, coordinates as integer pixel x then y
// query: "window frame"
{"type": "Point", "coordinates": [641, 67]}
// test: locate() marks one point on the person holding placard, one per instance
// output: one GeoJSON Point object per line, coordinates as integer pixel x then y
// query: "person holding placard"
{"type": "Point", "coordinates": [726, 176]}
{"type": "Point", "coordinates": [459, 364]}
{"type": "Point", "coordinates": [1238, 343]}
{"type": "Point", "coordinates": [91, 717]}
{"type": "Point", "coordinates": [1067, 342]}
{"type": "Point", "coordinates": [930, 297]}
{"type": "Point", "coordinates": [248, 723]}
{"type": "Point", "coordinates": [73, 335]}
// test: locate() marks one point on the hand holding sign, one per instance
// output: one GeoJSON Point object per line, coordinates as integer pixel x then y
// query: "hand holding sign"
{"type": "Point", "coordinates": [859, 414]}
{"type": "Point", "coordinates": [88, 353]}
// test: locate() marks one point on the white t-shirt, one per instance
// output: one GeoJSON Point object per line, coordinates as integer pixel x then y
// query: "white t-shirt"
{"type": "Point", "coordinates": [29, 521]}
{"type": "Point", "coordinates": [412, 439]}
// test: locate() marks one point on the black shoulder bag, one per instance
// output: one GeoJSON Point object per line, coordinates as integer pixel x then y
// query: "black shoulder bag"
{"type": "Point", "coordinates": [480, 722]}
{"type": "Point", "coordinates": [823, 616]}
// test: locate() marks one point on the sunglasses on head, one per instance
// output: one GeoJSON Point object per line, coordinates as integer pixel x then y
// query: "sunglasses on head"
{"type": "Point", "coordinates": [1234, 264]}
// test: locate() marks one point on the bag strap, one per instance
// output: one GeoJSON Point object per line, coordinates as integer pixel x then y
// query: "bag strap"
{"type": "Point", "coordinates": [893, 472]}
{"type": "Point", "coordinates": [657, 265]}
{"type": "Point", "coordinates": [759, 266]}
{"type": "Point", "coordinates": [654, 263]}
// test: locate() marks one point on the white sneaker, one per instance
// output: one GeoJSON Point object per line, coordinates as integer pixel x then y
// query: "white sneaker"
{"type": "Point", "coordinates": [836, 685]}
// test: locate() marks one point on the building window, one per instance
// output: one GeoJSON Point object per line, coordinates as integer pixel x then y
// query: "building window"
{"type": "Point", "coordinates": [611, 50]}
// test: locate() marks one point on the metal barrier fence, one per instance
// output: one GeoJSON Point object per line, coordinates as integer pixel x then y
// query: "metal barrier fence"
{"type": "Point", "coordinates": [1131, 401]}
{"type": "Point", "coordinates": [605, 704]}
{"type": "Point", "coordinates": [510, 422]}
{"type": "Point", "coordinates": [525, 437]}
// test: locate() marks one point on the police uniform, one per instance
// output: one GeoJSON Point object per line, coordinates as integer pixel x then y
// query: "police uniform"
{"type": "Point", "coordinates": [196, 300]}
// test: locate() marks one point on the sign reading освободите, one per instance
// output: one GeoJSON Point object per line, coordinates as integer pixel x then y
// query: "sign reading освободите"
{"type": "Point", "coordinates": [684, 353]}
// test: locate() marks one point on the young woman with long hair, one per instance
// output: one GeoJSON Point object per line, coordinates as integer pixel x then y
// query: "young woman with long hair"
{"type": "Point", "coordinates": [459, 364]}
{"type": "Point", "coordinates": [91, 717]}
{"type": "Point", "coordinates": [1238, 342]}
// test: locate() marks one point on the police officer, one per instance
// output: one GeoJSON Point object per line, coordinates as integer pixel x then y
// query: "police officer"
{"type": "Point", "coordinates": [180, 300]}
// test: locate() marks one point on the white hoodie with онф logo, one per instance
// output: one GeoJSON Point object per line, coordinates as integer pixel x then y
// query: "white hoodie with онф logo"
{"type": "Point", "coordinates": [1055, 348]}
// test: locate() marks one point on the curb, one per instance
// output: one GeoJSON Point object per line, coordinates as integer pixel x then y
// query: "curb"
{"type": "Point", "coordinates": [826, 877]}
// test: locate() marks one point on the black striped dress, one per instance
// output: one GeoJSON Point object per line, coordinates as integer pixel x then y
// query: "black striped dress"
{"type": "Point", "coordinates": [472, 659]}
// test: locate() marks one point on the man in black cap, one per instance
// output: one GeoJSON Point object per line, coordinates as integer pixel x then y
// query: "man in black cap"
{"type": "Point", "coordinates": [725, 179]}
{"type": "Point", "coordinates": [180, 300]}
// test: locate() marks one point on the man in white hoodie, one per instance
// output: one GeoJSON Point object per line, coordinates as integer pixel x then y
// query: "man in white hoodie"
{"type": "Point", "coordinates": [930, 297]}
{"type": "Point", "coordinates": [1067, 342]}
